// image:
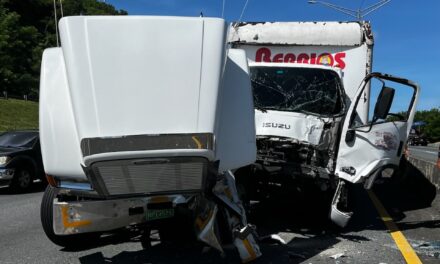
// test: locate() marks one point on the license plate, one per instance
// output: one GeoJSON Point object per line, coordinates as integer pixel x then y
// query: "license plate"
{"type": "Point", "coordinates": [154, 214]}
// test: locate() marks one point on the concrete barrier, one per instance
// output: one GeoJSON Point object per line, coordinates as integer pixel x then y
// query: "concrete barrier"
{"type": "Point", "coordinates": [428, 169]}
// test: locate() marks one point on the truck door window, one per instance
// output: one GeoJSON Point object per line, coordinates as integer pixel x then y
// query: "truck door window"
{"type": "Point", "coordinates": [307, 90]}
{"type": "Point", "coordinates": [400, 106]}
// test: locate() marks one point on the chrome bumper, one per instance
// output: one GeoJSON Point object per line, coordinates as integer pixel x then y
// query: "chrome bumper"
{"type": "Point", "coordinates": [104, 215]}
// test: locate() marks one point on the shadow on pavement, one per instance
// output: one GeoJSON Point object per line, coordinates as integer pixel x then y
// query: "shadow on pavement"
{"type": "Point", "coordinates": [305, 227]}
{"type": "Point", "coordinates": [302, 221]}
{"type": "Point", "coordinates": [36, 187]}
{"type": "Point", "coordinates": [408, 192]}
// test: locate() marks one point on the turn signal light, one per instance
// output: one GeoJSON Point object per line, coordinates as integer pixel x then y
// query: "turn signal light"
{"type": "Point", "coordinates": [51, 180]}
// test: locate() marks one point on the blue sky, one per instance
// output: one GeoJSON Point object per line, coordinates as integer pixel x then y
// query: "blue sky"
{"type": "Point", "coordinates": [407, 32]}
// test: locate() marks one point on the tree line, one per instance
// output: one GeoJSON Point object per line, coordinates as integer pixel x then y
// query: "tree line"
{"type": "Point", "coordinates": [431, 119]}
{"type": "Point", "coordinates": [27, 27]}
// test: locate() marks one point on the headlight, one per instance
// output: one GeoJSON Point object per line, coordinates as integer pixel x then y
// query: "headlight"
{"type": "Point", "coordinates": [4, 160]}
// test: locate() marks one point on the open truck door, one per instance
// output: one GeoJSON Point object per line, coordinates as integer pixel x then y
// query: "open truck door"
{"type": "Point", "coordinates": [374, 147]}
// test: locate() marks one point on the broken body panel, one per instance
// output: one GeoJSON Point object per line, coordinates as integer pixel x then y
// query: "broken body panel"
{"type": "Point", "coordinates": [301, 131]}
{"type": "Point", "coordinates": [138, 108]}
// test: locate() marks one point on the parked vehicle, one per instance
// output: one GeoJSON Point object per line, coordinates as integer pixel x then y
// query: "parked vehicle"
{"type": "Point", "coordinates": [416, 136]}
{"type": "Point", "coordinates": [20, 159]}
{"type": "Point", "coordinates": [139, 119]}
{"type": "Point", "coordinates": [316, 122]}
{"type": "Point", "coordinates": [417, 140]}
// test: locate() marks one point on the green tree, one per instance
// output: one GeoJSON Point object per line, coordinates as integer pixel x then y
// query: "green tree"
{"type": "Point", "coordinates": [16, 53]}
{"type": "Point", "coordinates": [27, 27]}
{"type": "Point", "coordinates": [432, 119]}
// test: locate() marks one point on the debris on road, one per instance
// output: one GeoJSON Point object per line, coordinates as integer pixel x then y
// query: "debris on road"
{"type": "Point", "coordinates": [337, 256]}
{"type": "Point", "coordinates": [273, 238]}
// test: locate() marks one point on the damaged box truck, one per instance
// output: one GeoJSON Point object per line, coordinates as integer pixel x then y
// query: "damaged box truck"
{"type": "Point", "coordinates": [315, 125]}
{"type": "Point", "coordinates": [142, 119]}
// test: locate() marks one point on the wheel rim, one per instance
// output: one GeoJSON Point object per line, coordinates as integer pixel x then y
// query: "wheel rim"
{"type": "Point", "coordinates": [24, 179]}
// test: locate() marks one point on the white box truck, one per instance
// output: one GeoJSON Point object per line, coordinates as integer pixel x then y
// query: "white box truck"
{"type": "Point", "coordinates": [138, 122]}
{"type": "Point", "coordinates": [316, 122]}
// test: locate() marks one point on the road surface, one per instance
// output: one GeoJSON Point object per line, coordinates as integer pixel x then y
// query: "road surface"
{"type": "Point", "coordinates": [309, 237]}
{"type": "Point", "coordinates": [429, 154]}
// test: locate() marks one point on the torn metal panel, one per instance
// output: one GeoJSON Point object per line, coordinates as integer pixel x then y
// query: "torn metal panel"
{"type": "Point", "coordinates": [298, 33]}
{"type": "Point", "coordinates": [226, 190]}
{"type": "Point", "coordinates": [205, 224]}
{"type": "Point", "coordinates": [302, 158]}
{"type": "Point", "coordinates": [246, 245]}
{"type": "Point", "coordinates": [339, 202]}
{"type": "Point", "coordinates": [243, 233]}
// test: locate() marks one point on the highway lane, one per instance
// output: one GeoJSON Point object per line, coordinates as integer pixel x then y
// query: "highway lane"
{"type": "Point", "coordinates": [429, 154]}
{"type": "Point", "coordinates": [302, 224]}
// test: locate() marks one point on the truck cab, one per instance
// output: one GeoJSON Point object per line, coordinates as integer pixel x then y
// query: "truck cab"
{"type": "Point", "coordinates": [321, 116]}
{"type": "Point", "coordinates": [299, 109]}
{"type": "Point", "coordinates": [138, 122]}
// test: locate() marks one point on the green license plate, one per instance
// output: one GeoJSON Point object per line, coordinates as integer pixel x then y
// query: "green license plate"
{"type": "Point", "coordinates": [154, 214]}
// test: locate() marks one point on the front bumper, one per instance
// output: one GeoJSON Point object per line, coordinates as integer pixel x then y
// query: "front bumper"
{"type": "Point", "coordinates": [6, 176]}
{"type": "Point", "coordinates": [105, 215]}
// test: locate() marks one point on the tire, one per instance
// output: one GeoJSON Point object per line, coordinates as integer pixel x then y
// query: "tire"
{"type": "Point", "coordinates": [23, 179]}
{"type": "Point", "coordinates": [67, 241]}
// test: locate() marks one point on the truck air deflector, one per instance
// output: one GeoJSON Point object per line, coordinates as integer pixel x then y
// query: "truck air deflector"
{"type": "Point", "coordinates": [98, 145]}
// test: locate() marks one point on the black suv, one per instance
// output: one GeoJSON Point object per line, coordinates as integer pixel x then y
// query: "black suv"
{"type": "Point", "coordinates": [20, 159]}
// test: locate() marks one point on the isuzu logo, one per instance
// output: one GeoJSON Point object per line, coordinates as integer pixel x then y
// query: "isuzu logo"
{"type": "Point", "coordinates": [276, 125]}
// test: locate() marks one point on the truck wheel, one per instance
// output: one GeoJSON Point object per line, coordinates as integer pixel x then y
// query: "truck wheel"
{"type": "Point", "coordinates": [22, 180]}
{"type": "Point", "coordinates": [67, 241]}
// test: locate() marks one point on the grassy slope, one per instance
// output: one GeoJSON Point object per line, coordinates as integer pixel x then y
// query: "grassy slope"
{"type": "Point", "coordinates": [18, 114]}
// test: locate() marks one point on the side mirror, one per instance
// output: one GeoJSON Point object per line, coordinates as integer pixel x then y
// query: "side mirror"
{"type": "Point", "coordinates": [383, 104]}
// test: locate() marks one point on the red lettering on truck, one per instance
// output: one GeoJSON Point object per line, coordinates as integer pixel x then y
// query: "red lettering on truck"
{"type": "Point", "coordinates": [326, 58]}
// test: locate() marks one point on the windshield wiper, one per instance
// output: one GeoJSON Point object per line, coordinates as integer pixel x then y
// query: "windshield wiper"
{"type": "Point", "coordinates": [262, 109]}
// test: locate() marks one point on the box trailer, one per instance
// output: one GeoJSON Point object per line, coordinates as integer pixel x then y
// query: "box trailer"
{"type": "Point", "coordinates": [314, 124]}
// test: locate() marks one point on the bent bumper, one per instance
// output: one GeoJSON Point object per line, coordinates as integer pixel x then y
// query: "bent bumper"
{"type": "Point", "coordinates": [105, 215]}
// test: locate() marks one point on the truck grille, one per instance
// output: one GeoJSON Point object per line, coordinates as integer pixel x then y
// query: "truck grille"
{"type": "Point", "coordinates": [148, 176]}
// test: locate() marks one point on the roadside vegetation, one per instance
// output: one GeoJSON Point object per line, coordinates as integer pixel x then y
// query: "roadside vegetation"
{"type": "Point", "coordinates": [18, 114]}
{"type": "Point", "coordinates": [431, 118]}
{"type": "Point", "coordinates": [27, 27]}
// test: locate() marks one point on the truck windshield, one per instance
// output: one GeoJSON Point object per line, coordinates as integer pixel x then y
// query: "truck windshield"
{"type": "Point", "coordinates": [308, 90]}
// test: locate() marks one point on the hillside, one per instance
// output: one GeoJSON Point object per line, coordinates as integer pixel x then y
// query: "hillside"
{"type": "Point", "coordinates": [18, 114]}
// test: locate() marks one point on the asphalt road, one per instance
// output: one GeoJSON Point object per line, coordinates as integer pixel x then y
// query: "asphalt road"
{"type": "Point", "coordinates": [309, 237]}
{"type": "Point", "coordinates": [429, 154]}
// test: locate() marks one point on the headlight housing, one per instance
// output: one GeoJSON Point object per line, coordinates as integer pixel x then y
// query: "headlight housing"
{"type": "Point", "coordinates": [4, 160]}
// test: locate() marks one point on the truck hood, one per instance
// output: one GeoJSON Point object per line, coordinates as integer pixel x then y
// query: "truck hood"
{"type": "Point", "coordinates": [298, 126]}
{"type": "Point", "coordinates": [118, 75]}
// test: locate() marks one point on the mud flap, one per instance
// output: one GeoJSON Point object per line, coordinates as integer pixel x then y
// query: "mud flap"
{"type": "Point", "coordinates": [338, 216]}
